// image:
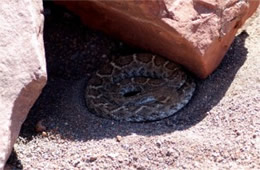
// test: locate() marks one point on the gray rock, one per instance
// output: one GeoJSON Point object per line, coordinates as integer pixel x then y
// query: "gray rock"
{"type": "Point", "coordinates": [22, 66]}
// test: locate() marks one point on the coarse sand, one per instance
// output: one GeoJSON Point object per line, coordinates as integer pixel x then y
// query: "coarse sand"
{"type": "Point", "coordinates": [218, 129]}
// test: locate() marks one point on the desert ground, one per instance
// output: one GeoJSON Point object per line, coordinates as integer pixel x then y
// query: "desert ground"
{"type": "Point", "coordinates": [218, 129]}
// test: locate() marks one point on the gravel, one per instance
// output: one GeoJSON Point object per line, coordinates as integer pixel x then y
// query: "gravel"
{"type": "Point", "coordinates": [218, 129]}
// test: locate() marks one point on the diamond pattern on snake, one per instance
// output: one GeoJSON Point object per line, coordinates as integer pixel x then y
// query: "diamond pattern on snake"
{"type": "Point", "coordinates": [139, 88]}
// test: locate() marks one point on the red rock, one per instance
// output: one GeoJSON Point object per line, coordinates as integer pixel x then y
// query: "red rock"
{"type": "Point", "coordinates": [194, 33]}
{"type": "Point", "coordinates": [22, 67]}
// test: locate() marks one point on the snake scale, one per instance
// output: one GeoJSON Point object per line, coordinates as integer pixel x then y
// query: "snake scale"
{"type": "Point", "coordinates": [138, 88]}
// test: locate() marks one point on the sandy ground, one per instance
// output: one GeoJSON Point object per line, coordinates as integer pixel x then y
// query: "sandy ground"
{"type": "Point", "coordinates": [218, 129]}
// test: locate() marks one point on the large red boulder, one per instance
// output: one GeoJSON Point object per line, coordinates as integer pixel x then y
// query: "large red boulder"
{"type": "Point", "coordinates": [194, 33]}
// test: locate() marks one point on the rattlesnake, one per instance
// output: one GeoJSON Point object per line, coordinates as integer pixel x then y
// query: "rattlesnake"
{"type": "Point", "coordinates": [137, 88]}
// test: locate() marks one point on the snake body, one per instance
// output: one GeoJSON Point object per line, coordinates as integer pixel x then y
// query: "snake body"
{"type": "Point", "coordinates": [138, 88]}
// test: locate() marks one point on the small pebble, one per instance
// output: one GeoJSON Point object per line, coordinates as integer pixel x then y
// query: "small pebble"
{"type": "Point", "coordinates": [135, 158]}
{"type": "Point", "coordinates": [118, 138]}
{"type": "Point", "coordinates": [168, 153]}
{"type": "Point", "coordinates": [112, 155]}
{"type": "Point", "coordinates": [44, 134]}
{"type": "Point", "coordinates": [140, 168]}
{"type": "Point", "coordinates": [40, 127]}
{"type": "Point", "coordinates": [93, 158]}
{"type": "Point", "coordinates": [76, 164]}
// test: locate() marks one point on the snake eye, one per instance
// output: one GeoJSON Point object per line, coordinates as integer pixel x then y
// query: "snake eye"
{"type": "Point", "coordinates": [131, 93]}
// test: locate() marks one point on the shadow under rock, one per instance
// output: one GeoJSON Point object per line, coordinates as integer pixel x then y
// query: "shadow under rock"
{"type": "Point", "coordinates": [13, 163]}
{"type": "Point", "coordinates": [210, 91]}
{"type": "Point", "coordinates": [64, 112]}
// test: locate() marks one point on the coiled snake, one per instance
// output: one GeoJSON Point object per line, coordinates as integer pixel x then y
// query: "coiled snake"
{"type": "Point", "coordinates": [139, 87]}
